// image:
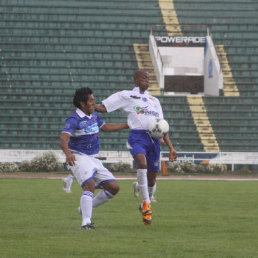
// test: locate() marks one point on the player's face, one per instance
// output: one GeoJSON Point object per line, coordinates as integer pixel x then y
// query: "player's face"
{"type": "Point", "coordinates": [143, 81]}
{"type": "Point", "coordinates": [89, 107]}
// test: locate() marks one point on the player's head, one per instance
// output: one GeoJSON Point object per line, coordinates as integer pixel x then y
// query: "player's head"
{"type": "Point", "coordinates": [141, 79]}
{"type": "Point", "coordinates": [84, 99]}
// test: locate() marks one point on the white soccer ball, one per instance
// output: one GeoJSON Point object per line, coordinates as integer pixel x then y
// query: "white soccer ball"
{"type": "Point", "coordinates": [158, 128]}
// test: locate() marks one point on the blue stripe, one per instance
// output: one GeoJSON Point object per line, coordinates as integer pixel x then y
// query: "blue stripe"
{"type": "Point", "coordinates": [139, 131]}
{"type": "Point", "coordinates": [104, 182]}
{"type": "Point", "coordinates": [85, 182]}
{"type": "Point", "coordinates": [88, 193]}
{"type": "Point", "coordinates": [108, 194]}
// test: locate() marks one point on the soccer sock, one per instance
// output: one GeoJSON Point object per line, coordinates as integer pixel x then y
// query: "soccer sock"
{"type": "Point", "coordinates": [86, 207]}
{"type": "Point", "coordinates": [71, 177]}
{"type": "Point", "coordinates": [143, 184]}
{"type": "Point", "coordinates": [137, 186]}
{"type": "Point", "coordinates": [69, 180]}
{"type": "Point", "coordinates": [152, 190]}
{"type": "Point", "coordinates": [101, 197]}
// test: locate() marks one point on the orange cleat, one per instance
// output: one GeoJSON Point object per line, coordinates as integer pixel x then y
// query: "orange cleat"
{"type": "Point", "coordinates": [146, 212]}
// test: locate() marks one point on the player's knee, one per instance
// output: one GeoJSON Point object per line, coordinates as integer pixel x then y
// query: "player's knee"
{"type": "Point", "coordinates": [116, 189]}
{"type": "Point", "coordinates": [141, 164]}
{"type": "Point", "coordinates": [140, 161]}
{"type": "Point", "coordinates": [113, 188]}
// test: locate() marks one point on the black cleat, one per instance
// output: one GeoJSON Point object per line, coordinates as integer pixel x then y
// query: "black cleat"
{"type": "Point", "coordinates": [88, 226]}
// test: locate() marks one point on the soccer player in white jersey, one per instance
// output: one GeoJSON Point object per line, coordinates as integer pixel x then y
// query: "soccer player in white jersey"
{"type": "Point", "coordinates": [80, 143]}
{"type": "Point", "coordinates": [141, 108]}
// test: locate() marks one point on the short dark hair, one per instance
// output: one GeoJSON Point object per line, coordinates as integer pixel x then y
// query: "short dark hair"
{"type": "Point", "coordinates": [81, 95]}
{"type": "Point", "coordinates": [139, 72]}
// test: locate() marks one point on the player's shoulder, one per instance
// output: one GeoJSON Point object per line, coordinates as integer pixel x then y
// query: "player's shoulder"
{"type": "Point", "coordinates": [125, 93]}
{"type": "Point", "coordinates": [73, 116]}
{"type": "Point", "coordinates": [153, 98]}
{"type": "Point", "coordinates": [95, 115]}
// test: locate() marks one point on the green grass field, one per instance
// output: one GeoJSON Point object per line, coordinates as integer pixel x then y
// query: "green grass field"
{"type": "Point", "coordinates": [190, 219]}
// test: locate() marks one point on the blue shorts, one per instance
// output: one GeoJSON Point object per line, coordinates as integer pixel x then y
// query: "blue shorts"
{"type": "Point", "coordinates": [139, 141]}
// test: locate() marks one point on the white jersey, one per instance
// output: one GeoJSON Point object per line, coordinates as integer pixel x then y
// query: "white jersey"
{"type": "Point", "coordinates": [140, 108]}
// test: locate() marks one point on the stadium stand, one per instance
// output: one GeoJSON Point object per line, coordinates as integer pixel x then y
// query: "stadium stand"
{"type": "Point", "coordinates": [233, 25]}
{"type": "Point", "coordinates": [50, 48]}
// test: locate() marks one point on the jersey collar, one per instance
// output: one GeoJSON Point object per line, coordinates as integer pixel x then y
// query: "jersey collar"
{"type": "Point", "coordinates": [136, 88]}
{"type": "Point", "coordinates": [81, 114]}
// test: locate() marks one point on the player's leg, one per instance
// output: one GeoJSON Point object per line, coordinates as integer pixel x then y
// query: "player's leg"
{"type": "Point", "coordinates": [152, 186]}
{"type": "Point", "coordinates": [68, 181]}
{"type": "Point", "coordinates": [105, 180]}
{"type": "Point", "coordinates": [153, 162]}
{"type": "Point", "coordinates": [145, 207]}
{"type": "Point", "coordinates": [86, 180]}
{"type": "Point", "coordinates": [138, 143]}
{"type": "Point", "coordinates": [86, 204]}
{"type": "Point", "coordinates": [109, 192]}
{"type": "Point", "coordinates": [142, 180]}
{"type": "Point", "coordinates": [136, 189]}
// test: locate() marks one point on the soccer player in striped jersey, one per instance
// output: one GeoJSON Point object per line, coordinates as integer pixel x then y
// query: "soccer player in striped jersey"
{"type": "Point", "coordinates": [80, 143]}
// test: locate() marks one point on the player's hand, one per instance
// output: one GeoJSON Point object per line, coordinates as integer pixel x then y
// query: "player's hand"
{"type": "Point", "coordinates": [70, 159]}
{"type": "Point", "coordinates": [172, 155]}
{"type": "Point", "coordinates": [161, 140]}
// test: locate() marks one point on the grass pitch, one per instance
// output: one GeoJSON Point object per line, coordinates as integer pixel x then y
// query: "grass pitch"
{"type": "Point", "coordinates": [190, 219]}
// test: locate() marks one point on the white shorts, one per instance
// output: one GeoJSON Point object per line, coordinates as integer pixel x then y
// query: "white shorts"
{"type": "Point", "coordinates": [87, 167]}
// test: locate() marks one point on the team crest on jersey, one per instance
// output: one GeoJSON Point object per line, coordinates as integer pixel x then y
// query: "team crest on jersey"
{"type": "Point", "coordinates": [140, 110]}
{"type": "Point", "coordinates": [83, 123]}
{"type": "Point", "coordinates": [145, 111]}
{"type": "Point", "coordinates": [144, 99]}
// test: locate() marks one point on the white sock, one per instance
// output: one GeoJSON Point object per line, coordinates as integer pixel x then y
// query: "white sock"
{"type": "Point", "coordinates": [137, 186]}
{"type": "Point", "coordinates": [71, 177]}
{"type": "Point", "coordinates": [143, 184]}
{"type": "Point", "coordinates": [86, 207]}
{"type": "Point", "coordinates": [69, 180]}
{"type": "Point", "coordinates": [101, 197]}
{"type": "Point", "coordinates": [152, 190]}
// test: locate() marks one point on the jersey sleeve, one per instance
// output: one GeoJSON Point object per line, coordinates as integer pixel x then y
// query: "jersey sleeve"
{"type": "Point", "coordinates": [99, 121]}
{"type": "Point", "coordinates": [160, 111]}
{"type": "Point", "coordinates": [115, 101]}
{"type": "Point", "coordinates": [70, 125]}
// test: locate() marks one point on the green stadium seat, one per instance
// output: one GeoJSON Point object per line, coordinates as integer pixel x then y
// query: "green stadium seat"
{"type": "Point", "coordinates": [48, 52]}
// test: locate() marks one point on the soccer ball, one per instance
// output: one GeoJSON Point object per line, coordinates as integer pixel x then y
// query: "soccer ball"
{"type": "Point", "coordinates": [158, 128]}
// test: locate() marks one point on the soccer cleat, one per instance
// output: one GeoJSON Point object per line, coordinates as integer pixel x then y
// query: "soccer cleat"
{"type": "Point", "coordinates": [88, 226]}
{"type": "Point", "coordinates": [146, 212]}
{"type": "Point", "coordinates": [136, 191]}
{"type": "Point", "coordinates": [65, 187]}
{"type": "Point", "coordinates": [146, 220]}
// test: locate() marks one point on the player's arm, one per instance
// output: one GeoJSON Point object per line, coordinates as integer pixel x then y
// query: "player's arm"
{"type": "Point", "coordinates": [172, 151]}
{"type": "Point", "coordinates": [113, 102]}
{"type": "Point", "coordinates": [114, 127]}
{"type": "Point", "coordinates": [100, 108]}
{"type": "Point", "coordinates": [70, 158]}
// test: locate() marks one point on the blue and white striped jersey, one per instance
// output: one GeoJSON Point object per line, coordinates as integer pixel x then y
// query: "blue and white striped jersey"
{"type": "Point", "coordinates": [84, 131]}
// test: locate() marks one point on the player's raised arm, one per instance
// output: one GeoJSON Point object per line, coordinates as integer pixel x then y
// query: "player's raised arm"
{"type": "Point", "coordinates": [114, 127]}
